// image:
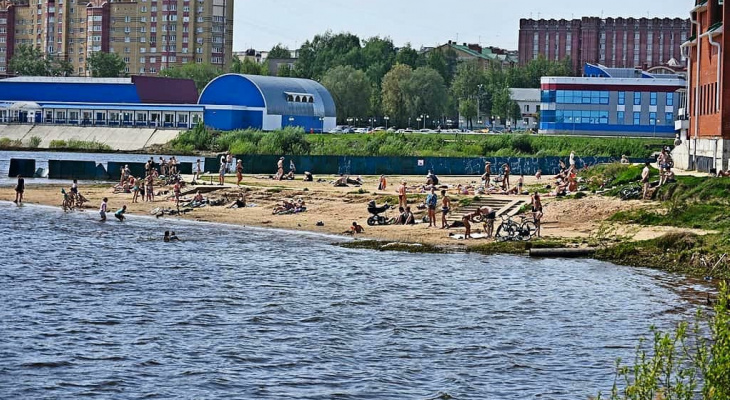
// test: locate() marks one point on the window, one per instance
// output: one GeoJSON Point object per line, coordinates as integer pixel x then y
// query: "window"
{"type": "Point", "coordinates": [668, 118]}
{"type": "Point", "coordinates": [637, 118]}
{"type": "Point", "coordinates": [670, 99]}
{"type": "Point", "coordinates": [621, 98]}
{"type": "Point", "coordinates": [652, 98]}
{"type": "Point", "coordinates": [620, 117]}
{"type": "Point", "coordinates": [652, 118]}
{"type": "Point", "coordinates": [527, 108]}
{"type": "Point", "coordinates": [637, 98]}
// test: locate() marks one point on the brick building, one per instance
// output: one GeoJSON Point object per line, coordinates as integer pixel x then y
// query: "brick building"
{"type": "Point", "coordinates": [613, 42]}
{"type": "Point", "coordinates": [705, 138]}
{"type": "Point", "coordinates": [149, 35]}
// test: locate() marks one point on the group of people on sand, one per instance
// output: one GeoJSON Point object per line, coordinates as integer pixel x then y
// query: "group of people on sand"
{"type": "Point", "coordinates": [280, 175]}
{"type": "Point", "coordinates": [72, 199]}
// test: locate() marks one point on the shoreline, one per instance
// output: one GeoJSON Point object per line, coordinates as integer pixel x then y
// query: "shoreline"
{"type": "Point", "coordinates": [572, 223]}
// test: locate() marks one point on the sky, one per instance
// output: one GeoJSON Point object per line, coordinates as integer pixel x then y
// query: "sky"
{"type": "Point", "coordinates": [261, 24]}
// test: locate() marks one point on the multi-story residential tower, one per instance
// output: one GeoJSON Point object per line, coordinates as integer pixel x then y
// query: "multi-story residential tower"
{"type": "Point", "coordinates": [150, 35]}
{"type": "Point", "coordinates": [613, 42]}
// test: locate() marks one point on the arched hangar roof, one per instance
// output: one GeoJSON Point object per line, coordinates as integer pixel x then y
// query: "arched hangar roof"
{"type": "Point", "coordinates": [280, 96]}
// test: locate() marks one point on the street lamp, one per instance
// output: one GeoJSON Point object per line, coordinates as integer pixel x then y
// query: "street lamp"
{"type": "Point", "coordinates": [418, 122]}
{"type": "Point", "coordinates": [350, 121]}
{"type": "Point", "coordinates": [656, 122]}
{"type": "Point", "coordinates": [386, 118]}
{"type": "Point", "coordinates": [291, 120]}
{"type": "Point", "coordinates": [321, 120]}
{"type": "Point", "coordinates": [424, 118]}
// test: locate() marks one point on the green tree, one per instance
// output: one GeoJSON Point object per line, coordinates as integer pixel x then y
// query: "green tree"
{"type": "Point", "coordinates": [351, 90]}
{"type": "Point", "coordinates": [284, 71]}
{"type": "Point", "coordinates": [395, 93]}
{"type": "Point", "coordinates": [378, 56]}
{"type": "Point", "coordinates": [248, 67]}
{"type": "Point", "coordinates": [515, 112]}
{"type": "Point", "coordinates": [327, 51]}
{"type": "Point", "coordinates": [105, 65]}
{"type": "Point", "coordinates": [279, 51]}
{"type": "Point", "coordinates": [468, 110]}
{"type": "Point", "coordinates": [408, 56]}
{"type": "Point", "coordinates": [30, 61]}
{"type": "Point", "coordinates": [201, 74]}
{"type": "Point", "coordinates": [435, 59]}
{"type": "Point", "coordinates": [426, 93]}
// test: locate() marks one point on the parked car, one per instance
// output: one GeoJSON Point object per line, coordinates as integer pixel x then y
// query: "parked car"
{"type": "Point", "coordinates": [361, 130]}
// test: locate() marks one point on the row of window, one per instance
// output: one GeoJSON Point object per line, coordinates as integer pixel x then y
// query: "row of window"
{"type": "Point", "coordinates": [601, 117]}
{"type": "Point", "coordinates": [599, 97]}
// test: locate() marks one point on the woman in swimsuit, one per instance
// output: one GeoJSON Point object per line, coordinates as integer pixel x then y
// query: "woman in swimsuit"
{"type": "Point", "coordinates": [445, 208]}
{"type": "Point", "coordinates": [537, 211]}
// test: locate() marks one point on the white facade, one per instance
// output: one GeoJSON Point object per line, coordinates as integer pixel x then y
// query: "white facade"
{"type": "Point", "coordinates": [529, 102]}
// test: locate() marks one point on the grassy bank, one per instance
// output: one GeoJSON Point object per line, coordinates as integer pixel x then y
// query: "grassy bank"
{"type": "Point", "coordinates": [294, 141]}
{"type": "Point", "coordinates": [690, 202]}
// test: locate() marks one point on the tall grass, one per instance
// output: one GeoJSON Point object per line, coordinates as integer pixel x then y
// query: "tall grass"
{"type": "Point", "coordinates": [75, 144]}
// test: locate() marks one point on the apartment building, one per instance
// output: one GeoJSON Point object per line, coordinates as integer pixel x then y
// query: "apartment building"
{"type": "Point", "coordinates": [149, 35]}
{"type": "Point", "coordinates": [645, 43]}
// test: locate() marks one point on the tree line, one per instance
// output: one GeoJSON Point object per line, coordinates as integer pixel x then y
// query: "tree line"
{"type": "Point", "coordinates": [368, 78]}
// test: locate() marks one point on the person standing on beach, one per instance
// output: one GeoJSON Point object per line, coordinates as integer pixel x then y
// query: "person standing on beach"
{"type": "Point", "coordinates": [135, 190]}
{"type": "Point", "coordinates": [102, 209]}
{"type": "Point", "coordinates": [292, 167]}
{"type": "Point", "coordinates": [239, 172]}
{"type": "Point", "coordinates": [222, 172]}
{"type": "Point", "coordinates": [280, 169]}
{"type": "Point", "coordinates": [150, 190]}
{"type": "Point", "coordinates": [645, 180]}
{"type": "Point", "coordinates": [445, 208]}
{"type": "Point", "coordinates": [229, 162]}
{"type": "Point", "coordinates": [537, 211]}
{"type": "Point", "coordinates": [198, 170]}
{"type": "Point", "coordinates": [505, 181]}
{"type": "Point", "coordinates": [383, 183]}
{"type": "Point", "coordinates": [19, 190]}
{"type": "Point", "coordinates": [571, 161]}
{"type": "Point", "coordinates": [432, 202]}
{"type": "Point", "coordinates": [402, 195]}
{"type": "Point", "coordinates": [488, 216]}
{"type": "Point", "coordinates": [487, 173]}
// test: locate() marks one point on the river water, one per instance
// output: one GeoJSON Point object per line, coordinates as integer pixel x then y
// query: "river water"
{"type": "Point", "coordinates": [109, 310]}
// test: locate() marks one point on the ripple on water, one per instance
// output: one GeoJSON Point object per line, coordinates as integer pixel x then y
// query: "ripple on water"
{"type": "Point", "coordinates": [109, 310]}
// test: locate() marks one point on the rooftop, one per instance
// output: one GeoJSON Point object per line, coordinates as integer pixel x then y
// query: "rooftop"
{"type": "Point", "coordinates": [59, 79]}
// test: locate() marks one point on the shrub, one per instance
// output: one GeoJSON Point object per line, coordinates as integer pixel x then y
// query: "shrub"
{"type": "Point", "coordinates": [58, 144]}
{"type": "Point", "coordinates": [34, 142]}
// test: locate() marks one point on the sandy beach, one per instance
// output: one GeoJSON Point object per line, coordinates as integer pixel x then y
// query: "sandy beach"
{"type": "Point", "coordinates": [573, 220]}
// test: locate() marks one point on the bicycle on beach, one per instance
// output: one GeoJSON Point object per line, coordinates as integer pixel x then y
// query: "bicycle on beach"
{"type": "Point", "coordinates": [511, 230]}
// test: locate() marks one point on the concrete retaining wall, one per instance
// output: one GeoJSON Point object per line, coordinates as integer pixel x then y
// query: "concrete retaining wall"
{"type": "Point", "coordinates": [125, 139]}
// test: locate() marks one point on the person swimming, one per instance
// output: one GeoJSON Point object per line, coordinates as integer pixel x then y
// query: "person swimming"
{"type": "Point", "coordinates": [167, 236]}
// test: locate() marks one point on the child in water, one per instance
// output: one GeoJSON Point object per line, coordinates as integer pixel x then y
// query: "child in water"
{"type": "Point", "coordinates": [120, 213]}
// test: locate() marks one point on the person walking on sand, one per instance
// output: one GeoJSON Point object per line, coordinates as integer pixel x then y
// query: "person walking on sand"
{"type": "Point", "coordinates": [120, 213]}
{"type": "Point", "coordinates": [19, 190]}
{"type": "Point", "coordinates": [645, 180]}
{"type": "Point", "coordinates": [239, 172]}
{"type": "Point", "coordinates": [445, 208]}
{"type": "Point", "coordinates": [402, 195]}
{"type": "Point", "coordinates": [431, 202]}
{"type": "Point", "coordinates": [102, 209]}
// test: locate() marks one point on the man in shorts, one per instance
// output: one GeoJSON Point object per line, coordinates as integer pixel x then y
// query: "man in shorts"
{"type": "Point", "coordinates": [445, 208]}
{"type": "Point", "coordinates": [431, 202]}
{"type": "Point", "coordinates": [19, 190]}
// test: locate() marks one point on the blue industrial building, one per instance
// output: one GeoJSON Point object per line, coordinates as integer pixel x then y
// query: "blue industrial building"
{"type": "Point", "coordinates": [229, 102]}
{"type": "Point", "coordinates": [235, 101]}
{"type": "Point", "coordinates": [612, 102]}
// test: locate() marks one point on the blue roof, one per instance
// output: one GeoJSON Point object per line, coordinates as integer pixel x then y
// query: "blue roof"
{"type": "Point", "coordinates": [270, 92]}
